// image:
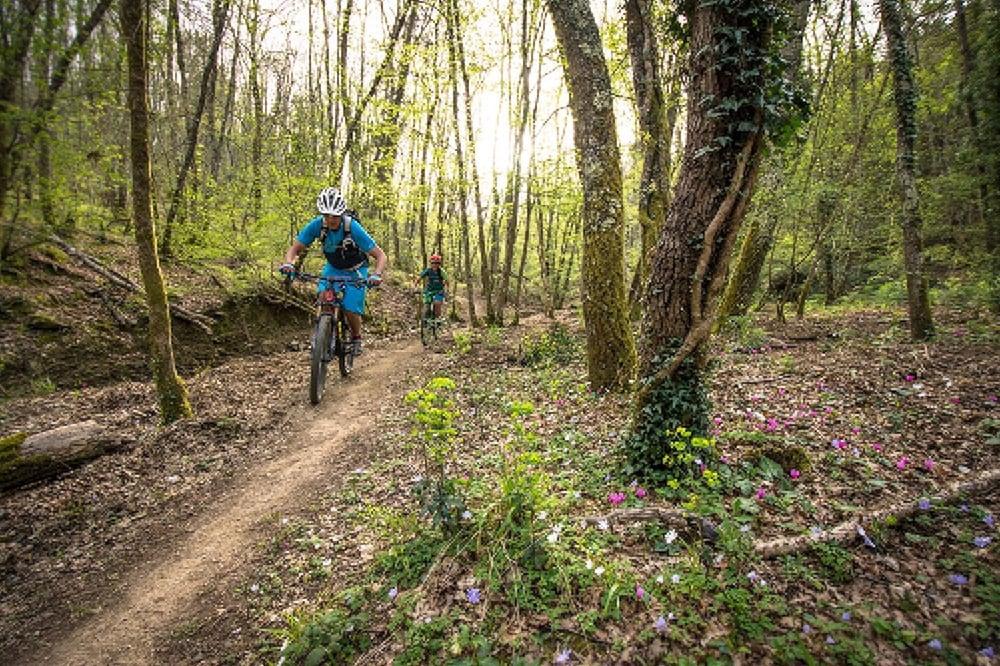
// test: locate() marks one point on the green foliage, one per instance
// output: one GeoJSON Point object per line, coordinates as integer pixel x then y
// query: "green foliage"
{"type": "Point", "coordinates": [837, 562]}
{"type": "Point", "coordinates": [555, 347]}
{"type": "Point", "coordinates": [335, 636]}
{"type": "Point", "coordinates": [406, 563]}
{"type": "Point", "coordinates": [681, 402]}
{"type": "Point", "coordinates": [748, 335]}
{"type": "Point", "coordinates": [462, 341]}
{"type": "Point", "coordinates": [433, 418]}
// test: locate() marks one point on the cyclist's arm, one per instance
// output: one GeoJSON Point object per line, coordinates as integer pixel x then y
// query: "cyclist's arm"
{"type": "Point", "coordinates": [294, 251]}
{"type": "Point", "coordinates": [380, 259]}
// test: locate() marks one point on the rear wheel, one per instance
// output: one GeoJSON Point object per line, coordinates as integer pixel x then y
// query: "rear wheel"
{"type": "Point", "coordinates": [345, 348]}
{"type": "Point", "coordinates": [320, 357]}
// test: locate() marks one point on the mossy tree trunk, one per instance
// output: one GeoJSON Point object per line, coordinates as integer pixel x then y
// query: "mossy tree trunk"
{"type": "Point", "coordinates": [169, 387]}
{"type": "Point", "coordinates": [905, 96]}
{"type": "Point", "coordinates": [610, 348]}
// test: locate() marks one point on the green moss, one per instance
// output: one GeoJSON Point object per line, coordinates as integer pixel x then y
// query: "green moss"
{"type": "Point", "coordinates": [15, 468]}
{"type": "Point", "coordinates": [54, 253]}
{"type": "Point", "coordinates": [10, 446]}
{"type": "Point", "coordinates": [789, 456]}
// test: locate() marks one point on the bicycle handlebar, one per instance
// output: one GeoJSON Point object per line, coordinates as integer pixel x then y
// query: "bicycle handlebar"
{"type": "Point", "coordinates": [310, 277]}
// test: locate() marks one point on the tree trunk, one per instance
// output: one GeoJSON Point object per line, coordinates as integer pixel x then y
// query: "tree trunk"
{"type": "Point", "coordinates": [220, 12]}
{"type": "Point", "coordinates": [719, 168]}
{"type": "Point", "coordinates": [169, 387]}
{"type": "Point", "coordinates": [905, 95]}
{"type": "Point", "coordinates": [485, 274]}
{"type": "Point", "coordinates": [654, 186]}
{"type": "Point", "coordinates": [353, 120]}
{"type": "Point", "coordinates": [610, 348]}
{"type": "Point", "coordinates": [758, 239]}
{"type": "Point", "coordinates": [453, 30]}
{"type": "Point", "coordinates": [514, 186]}
{"type": "Point", "coordinates": [968, 69]}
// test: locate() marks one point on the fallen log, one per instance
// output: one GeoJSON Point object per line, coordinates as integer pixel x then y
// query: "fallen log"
{"type": "Point", "coordinates": [848, 531]}
{"type": "Point", "coordinates": [123, 281]}
{"type": "Point", "coordinates": [25, 458]}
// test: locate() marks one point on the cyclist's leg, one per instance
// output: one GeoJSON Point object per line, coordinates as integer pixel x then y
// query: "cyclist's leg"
{"type": "Point", "coordinates": [438, 304]}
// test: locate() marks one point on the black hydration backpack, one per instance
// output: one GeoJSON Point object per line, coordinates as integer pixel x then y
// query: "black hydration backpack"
{"type": "Point", "coordinates": [347, 256]}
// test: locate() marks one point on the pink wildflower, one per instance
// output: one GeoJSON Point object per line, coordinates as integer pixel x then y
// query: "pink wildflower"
{"type": "Point", "coordinates": [910, 378]}
{"type": "Point", "coordinates": [616, 498]}
{"type": "Point", "coordinates": [902, 462]}
{"type": "Point", "coordinates": [640, 492]}
{"type": "Point", "coordinates": [639, 592]}
{"type": "Point", "coordinates": [877, 446]}
{"type": "Point", "coordinates": [794, 473]}
{"type": "Point", "coordinates": [928, 464]}
{"type": "Point", "coordinates": [954, 400]}
{"type": "Point", "coordinates": [855, 430]}
{"type": "Point", "coordinates": [717, 420]}
{"type": "Point", "coordinates": [761, 492]}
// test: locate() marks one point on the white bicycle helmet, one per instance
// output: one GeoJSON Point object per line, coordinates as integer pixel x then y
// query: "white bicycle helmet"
{"type": "Point", "coordinates": [331, 202]}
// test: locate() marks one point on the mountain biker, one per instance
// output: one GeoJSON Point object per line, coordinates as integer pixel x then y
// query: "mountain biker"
{"type": "Point", "coordinates": [436, 281]}
{"type": "Point", "coordinates": [347, 247]}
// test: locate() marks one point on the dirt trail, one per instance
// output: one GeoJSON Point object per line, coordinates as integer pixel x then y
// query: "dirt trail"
{"type": "Point", "coordinates": [164, 594]}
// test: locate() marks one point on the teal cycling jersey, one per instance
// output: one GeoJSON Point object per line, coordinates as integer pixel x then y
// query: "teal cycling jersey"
{"type": "Point", "coordinates": [435, 279]}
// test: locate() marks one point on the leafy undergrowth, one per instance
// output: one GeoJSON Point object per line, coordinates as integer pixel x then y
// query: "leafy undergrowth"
{"type": "Point", "coordinates": [485, 529]}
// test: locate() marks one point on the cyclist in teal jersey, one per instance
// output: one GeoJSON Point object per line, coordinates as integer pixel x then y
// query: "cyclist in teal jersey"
{"type": "Point", "coordinates": [435, 283]}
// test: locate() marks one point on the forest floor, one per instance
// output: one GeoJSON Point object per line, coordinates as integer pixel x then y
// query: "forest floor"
{"type": "Point", "coordinates": [263, 523]}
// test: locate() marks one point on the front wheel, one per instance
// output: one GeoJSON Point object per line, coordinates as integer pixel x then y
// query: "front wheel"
{"type": "Point", "coordinates": [427, 329]}
{"type": "Point", "coordinates": [345, 348]}
{"type": "Point", "coordinates": [320, 357]}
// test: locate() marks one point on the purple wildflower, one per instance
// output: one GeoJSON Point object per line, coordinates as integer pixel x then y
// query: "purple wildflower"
{"type": "Point", "coordinates": [982, 542]}
{"type": "Point", "coordinates": [660, 625]}
{"type": "Point", "coordinates": [830, 641]}
{"type": "Point", "coordinates": [924, 504]}
{"type": "Point", "coordinates": [473, 595]}
{"type": "Point", "coordinates": [839, 444]}
{"type": "Point", "coordinates": [987, 652]}
{"type": "Point", "coordinates": [958, 579]}
{"type": "Point", "coordinates": [846, 616]}
{"type": "Point", "coordinates": [934, 644]}
{"type": "Point", "coordinates": [865, 538]}
{"type": "Point", "coordinates": [988, 519]}
{"type": "Point", "coordinates": [806, 629]}
{"type": "Point", "coordinates": [392, 593]}
{"type": "Point", "coordinates": [563, 657]}
{"type": "Point", "coordinates": [964, 508]}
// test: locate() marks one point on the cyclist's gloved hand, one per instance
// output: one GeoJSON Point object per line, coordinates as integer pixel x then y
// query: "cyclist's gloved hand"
{"type": "Point", "coordinates": [287, 269]}
{"type": "Point", "coordinates": [374, 280]}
